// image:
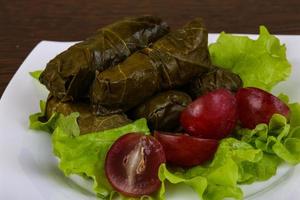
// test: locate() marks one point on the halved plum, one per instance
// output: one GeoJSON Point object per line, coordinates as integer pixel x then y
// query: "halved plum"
{"type": "Point", "coordinates": [257, 106]}
{"type": "Point", "coordinates": [132, 164]}
{"type": "Point", "coordinates": [213, 115]}
{"type": "Point", "coordinates": [184, 150]}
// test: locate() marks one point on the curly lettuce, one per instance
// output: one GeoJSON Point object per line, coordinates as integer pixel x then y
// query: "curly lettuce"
{"type": "Point", "coordinates": [260, 63]}
{"type": "Point", "coordinates": [219, 179]}
{"type": "Point", "coordinates": [280, 137]}
{"type": "Point", "coordinates": [255, 156]}
{"type": "Point", "coordinates": [38, 121]}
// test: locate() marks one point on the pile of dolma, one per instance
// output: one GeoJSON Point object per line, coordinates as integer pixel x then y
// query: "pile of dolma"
{"type": "Point", "coordinates": [69, 75]}
{"type": "Point", "coordinates": [134, 67]}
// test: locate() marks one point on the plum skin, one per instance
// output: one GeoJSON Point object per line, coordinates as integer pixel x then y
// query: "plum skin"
{"type": "Point", "coordinates": [257, 106]}
{"type": "Point", "coordinates": [212, 116]}
{"type": "Point", "coordinates": [186, 151]}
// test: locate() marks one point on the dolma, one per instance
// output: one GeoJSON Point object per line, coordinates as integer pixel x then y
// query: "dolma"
{"type": "Point", "coordinates": [87, 121]}
{"type": "Point", "coordinates": [163, 110]}
{"type": "Point", "coordinates": [171, 62]}
{"type": "Point", "coordinates": [215, 79]}
{"type": "Point", "coordinates": [69, 75]}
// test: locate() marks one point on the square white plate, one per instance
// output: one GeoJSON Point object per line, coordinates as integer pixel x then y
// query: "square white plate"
{"type": "Point", "coordinates": [28, 169]}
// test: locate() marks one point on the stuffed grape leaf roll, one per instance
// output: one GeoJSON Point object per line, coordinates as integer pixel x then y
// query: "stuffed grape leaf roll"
{"type": "Point", "coordinates": [87, 122]}
{"type": "Point", "coordinates": [69, 75]}
{"type": "Point", "coordinates": [162, 111]}
{"type": "Point", "coordinates": [215, 79]}
{"type": "Point", "coordinates": [170, 62]}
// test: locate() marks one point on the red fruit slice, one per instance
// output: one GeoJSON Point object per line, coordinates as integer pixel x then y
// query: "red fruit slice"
{"type": "Point", "coordinates": [213, 115]}
{"type": "Point", "coordinates": [186, 151]}
{"type": "Point", "coordinates": [132, 164]}
{"type": "Point", "coordinates": [257, 106]}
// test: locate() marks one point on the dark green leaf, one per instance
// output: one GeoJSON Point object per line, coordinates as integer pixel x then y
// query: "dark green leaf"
{"type": "Point", "coordinates": [171, 62]}
{"type": "Point", "coordinates": [70, 74]}
{"type": "Point", "coordinates": [87, 122]}
{"type": "Point", "coordinates": [215, 79]}
{"type": "Point", "coordinates": [163, 110]}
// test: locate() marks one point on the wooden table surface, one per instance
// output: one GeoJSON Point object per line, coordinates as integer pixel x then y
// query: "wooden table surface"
{"type": "Point", "coordinates": [23, 23]}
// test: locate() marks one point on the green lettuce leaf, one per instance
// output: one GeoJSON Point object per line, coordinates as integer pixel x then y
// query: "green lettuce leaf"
{"type": "Point", "coordinates": [36, 74]}
{"type": "Point", "coordinates": [37, 121]}
{"type": "Point", "coordinates": [259, 171]}
{"type": "Point", "coordinates": [294, 115]}
{"type": "Point", "coordinates": [69, 124]}
{"type": "Point", "coordinates": [280, 137]}
{"type": "Point", "coordinates": [220, 178]}
{"type": "Point", "coordinates": [198, 183]}
{"type": "Point", "coordinates": [235, 162]}
{"type": "Point", "coordinates": [84, 155]}
{"type": "Point", "coordinates": [260, 63]}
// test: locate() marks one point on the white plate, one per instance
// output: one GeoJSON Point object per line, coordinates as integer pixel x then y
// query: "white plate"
{"type": "Point", "coordinates": [28, 169]}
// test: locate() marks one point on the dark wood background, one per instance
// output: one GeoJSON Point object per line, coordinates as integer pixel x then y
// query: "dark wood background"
{"type": "Point", "coordinates": [23, 23]}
